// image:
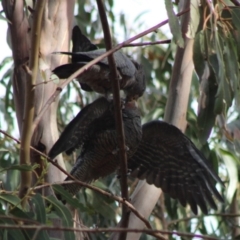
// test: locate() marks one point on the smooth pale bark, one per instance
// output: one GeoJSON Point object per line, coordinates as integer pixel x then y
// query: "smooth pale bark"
{"type": "Point", "coordinates": [54, 36]}
{"type": "Point", "coordinates": [179, 92]}
{"type": "Point", "coordinates": [151, 195]}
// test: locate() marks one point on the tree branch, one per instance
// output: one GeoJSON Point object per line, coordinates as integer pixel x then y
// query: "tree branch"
{"type": "Point", "coordinates": [98, 230]}
{"type": "Point", "coordinates": [177, 102]}
{"type": "Point", "coordinates": [118, 117]}
{"type": "Point", "coordinates": [26, 133]}
{"type": "Point", "coordinates": [147, 43]}
{"type": "Point", "coordinates": [235, 2]}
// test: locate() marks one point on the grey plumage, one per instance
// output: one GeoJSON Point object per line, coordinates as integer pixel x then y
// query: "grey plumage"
{"type": "Point", "coordinates": [97, 78]}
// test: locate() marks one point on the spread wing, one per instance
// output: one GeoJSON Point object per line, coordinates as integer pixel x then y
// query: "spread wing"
{"type": "Point", "coordinates": [75, 132]}
{"type": "Point", "coordinates": [169, 160]}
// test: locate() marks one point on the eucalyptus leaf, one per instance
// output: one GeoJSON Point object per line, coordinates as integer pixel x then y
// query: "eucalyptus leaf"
{"type": "Point", "coordinates": [11, 199]}
{"type": "Point", "coordinates": [66, 196]}
{"type": "Point", "coordinates": [65, 215]}
{"type": "Point", "coordinates": [236, 17]}
{"type": "Point", "coordinates": [23, 167]}
{"type": "Point", "coordinates": [174, 24]}
{"type": "Point", "coordinates": [194, 19]}
{"type": "Point", "coordinates": [231, 163]}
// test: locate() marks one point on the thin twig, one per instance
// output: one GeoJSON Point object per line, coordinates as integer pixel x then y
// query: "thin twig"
{"type": "Point", "coordinates": [26, 133]}
{"type": "Point", "coordinates": [18, 219]}
{"type": "Point", "coordinates": [147, 43]}
{"type": "Point", "coordinates": [224, 215]}
{"type": "Point", "coordinates": [119, 199]}
{"type": "Point", "coordinates": [235, 2]}
{"type": "Point", "coordinates": [118, 117]}
{"type": "Point", "coordinates": [96, 60]}
{"type": "Point", "coordinates": [98, 230]}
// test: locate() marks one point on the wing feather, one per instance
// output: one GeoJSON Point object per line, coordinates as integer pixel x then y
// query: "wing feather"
{"type": "Point", "coordinates": [75, 132]}
{"type": "Point", "coordinates": [168, 159]}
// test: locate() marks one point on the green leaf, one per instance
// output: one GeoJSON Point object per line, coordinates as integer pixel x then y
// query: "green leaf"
{"type": "Point", "coordinates": [17, 212]}
{"type": "Point", "coordinates": [4, 150]}
{"type": "Point", "coordinates": [232, 69]}
{"type": "Point", "coordinates": [65, 195]}
{"type": "Point", "coordinates": [231, 163]}
{"type": "Point", "coordinates": [64, 214]}
{"type": "Point", "coordinates": [23, 167]}
{"type": "Point", "coordinates": [40, 214]}
{"type": "Point", "coordinates": [206, 113]}
{"type": "Point", "coordinates": [39, 208]}
{"type": "Point", "coordinates": [174, 24]}
{"type": "Point", "coordinates": [11, 199]}
{"type": "Point", "coordinates": [104, 205]}
{"type": "Point", "coordinates": [194, 19]}
{"type": "Point", "coordinates": [13, 234]}
{"type": "Point", "coordinates": [236, 17]}
{"type": "Point", "coordinates": [198, 55]}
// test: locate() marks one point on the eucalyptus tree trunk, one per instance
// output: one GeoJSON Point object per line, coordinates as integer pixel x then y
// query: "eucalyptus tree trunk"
{"type": "Point", "coordinates": [53, 35]}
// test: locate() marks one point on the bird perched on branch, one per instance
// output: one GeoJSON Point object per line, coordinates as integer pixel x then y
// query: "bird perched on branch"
{"type": "Point", "coordinates": [94, 129]}
{"type": "Point", "coordinates": [168, 159]}
{"type": "Point", "coordinates": [97, 78]}
{"type": "Point", "coordinates": [157, 151]}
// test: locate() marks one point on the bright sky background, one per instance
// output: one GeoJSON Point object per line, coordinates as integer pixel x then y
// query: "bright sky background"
{"type": "Point", "coordinates": [154, 13]}
{"type": "Point", "coordinates": [155, 10]}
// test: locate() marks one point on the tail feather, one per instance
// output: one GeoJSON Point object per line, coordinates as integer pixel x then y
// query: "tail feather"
{"type": "Point", "coordinates": [79, 172]}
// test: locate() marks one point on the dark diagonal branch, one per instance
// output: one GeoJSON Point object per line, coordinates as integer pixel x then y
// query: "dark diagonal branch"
{"type": "Point", "coordinates": [235, 2]}
{"type": "Point", "coordinates": [98, 230]}
{"type": "Point", "coordinates": [147, 43]}
{"type": "Point", "coordinates": [118, 116]}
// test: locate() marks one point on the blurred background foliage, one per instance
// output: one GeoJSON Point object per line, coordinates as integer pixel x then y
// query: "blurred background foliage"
{"type": "Point", "coordinates": [213, 125]}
